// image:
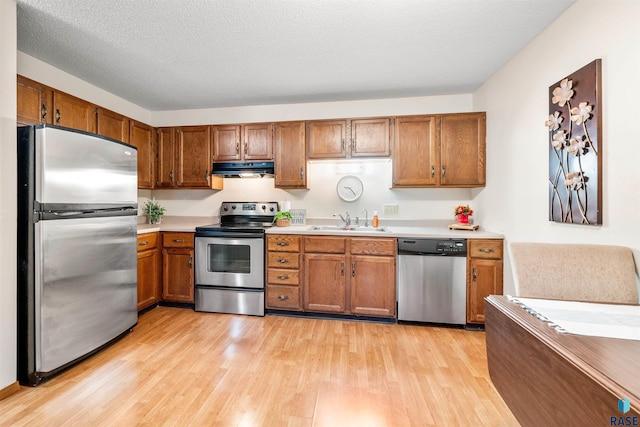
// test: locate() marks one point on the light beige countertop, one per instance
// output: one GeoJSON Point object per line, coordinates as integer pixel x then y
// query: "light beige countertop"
{"type": "Point", "coordinates": [390, 228]}
{"type": "Point", "coordinates": [398, 228]}
{"type": "Point", "coordinates": [186, 224]}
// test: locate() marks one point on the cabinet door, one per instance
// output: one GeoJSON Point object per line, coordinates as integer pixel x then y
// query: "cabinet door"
{"type": "Point", "coordinates": [370, 138]}
{"type": "Point", "coordinates": [177, 275]}
{"type": "Point", "coordinates": [194, 157]}
{"type": "Point", "coordinates": [485, 278]}
{"type": "Point", "coordinates": [325, 283]}
{"type": "Point", "coordinates": [373, 285]}
{"type": "Point", "coordinates": [258, 141]}
{"type": "Point", "coordinates": [142, 137]}
{"type": "Point", "coordinates": [73, 112]}
{"type": "Point", "coordinates": [290, 156]}
{"type": "Point", "coordinates": [166, 158]}
{"type": "Point", "coordinates": [33, 102]}
{"type": "Point", "coordinates": [416, 152]}
{"type": "Point", "coordinates": [148, 278]}
{"type": "Point", "coordinates": [462, 150]}
{"type": "Point", "coordinates": [226, 143]}
{"type": "Point", "coordinates": [112, 125]}
{"type": "Point", "coordinates": [326, 139]}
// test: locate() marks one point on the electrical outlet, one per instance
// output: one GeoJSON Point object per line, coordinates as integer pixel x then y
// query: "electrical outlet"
{"type": "Point", "coordinates": [391, 209]}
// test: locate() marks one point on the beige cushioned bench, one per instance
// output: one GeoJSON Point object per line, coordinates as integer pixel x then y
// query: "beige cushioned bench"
{"type": "Point", "coordinates": [576, 272]}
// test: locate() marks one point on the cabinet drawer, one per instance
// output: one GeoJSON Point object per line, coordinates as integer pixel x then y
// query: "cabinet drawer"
{"type": "Point", "coordinates": [283, 260]}
{"type": "Point", "coordinates": [285, 297]}
{"type": "Point", "coordinates": [489, 249]}
{"type": "Point", "coordinates": [177, 240]}
{"type": "Point", "coordinates": [325, 244]}
{"type": "Point", "coordinates": [283, 277]}
{"type": "Point", "coordinates": [283, 243]}
{"type": "Point", "coordinates": [373, 246]}
{"type": "Point", "coordinates": [147, 241]}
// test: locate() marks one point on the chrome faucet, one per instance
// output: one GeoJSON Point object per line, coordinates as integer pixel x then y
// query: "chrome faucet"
{"type": "Point", "coordinates": [366, 217]}
{"type": "Point", "coordinates": [347, 220]}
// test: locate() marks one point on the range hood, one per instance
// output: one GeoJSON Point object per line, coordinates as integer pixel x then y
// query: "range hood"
{"type": "Point", "coordinates": [243, 169]}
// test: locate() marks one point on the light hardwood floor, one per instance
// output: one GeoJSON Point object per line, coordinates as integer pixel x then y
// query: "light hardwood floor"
{"type": "Point", "coordinates": [179, 367]}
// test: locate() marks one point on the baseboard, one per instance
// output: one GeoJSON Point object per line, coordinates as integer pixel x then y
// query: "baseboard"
{"type": "Point", "coordinates": [9, 390]}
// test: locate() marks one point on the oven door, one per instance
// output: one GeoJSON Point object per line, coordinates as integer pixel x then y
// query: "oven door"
{"type": "Point", "coordinates": [235, 262]}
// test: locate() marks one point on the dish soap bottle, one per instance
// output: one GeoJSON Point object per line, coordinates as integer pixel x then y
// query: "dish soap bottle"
{"type": "Point", "coordinates": [374, 219]}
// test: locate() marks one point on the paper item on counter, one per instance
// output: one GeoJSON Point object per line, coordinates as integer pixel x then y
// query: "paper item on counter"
{"type": "Point", "coordinates": [585, 318]}
{"type": "Point", "coordinates": [299, 216]}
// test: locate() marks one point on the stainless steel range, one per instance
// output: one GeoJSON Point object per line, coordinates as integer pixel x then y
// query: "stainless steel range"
{"type": "Point", "coordinates": [229, 264]}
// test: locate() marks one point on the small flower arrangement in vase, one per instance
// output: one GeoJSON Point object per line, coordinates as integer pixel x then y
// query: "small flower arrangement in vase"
{"type": "Point", "coordinates": [282, 218]}
{"type": "Point", "coordinates": [153, 211]}
{"type": "Point", "coordinates": [463, 213]}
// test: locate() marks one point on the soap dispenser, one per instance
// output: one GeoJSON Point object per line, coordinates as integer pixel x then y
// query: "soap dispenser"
{"type": "Point", "coordinates": [374, 219]}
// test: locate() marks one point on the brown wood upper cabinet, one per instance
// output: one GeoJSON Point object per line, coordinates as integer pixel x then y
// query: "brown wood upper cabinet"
{"type": "Point", "coordinates": [243, 142]}
{"type": "Point", "coordinates": [112, 125]}
{"type": "Point", "coordinates": [290, 155]}
{"type": "Point", "coordinates": [184, 158]}
{"type": "Point", "coordinates": [34, 102]}
{"type": "Point", "coordinates": [72, 112]}
{"type": "Point", "coordinates": [142, 137]}
{"type": "Point", "coordinates": [335, 139]}
{"type": "Point", "coordinates": [440, 150]}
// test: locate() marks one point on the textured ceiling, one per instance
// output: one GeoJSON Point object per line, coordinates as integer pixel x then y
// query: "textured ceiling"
{"type": "Point", "coordinates": [173, 54]}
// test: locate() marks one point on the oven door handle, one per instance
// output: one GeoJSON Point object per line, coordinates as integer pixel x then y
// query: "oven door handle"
{"type": "Point", "coordinates": [230, 235]}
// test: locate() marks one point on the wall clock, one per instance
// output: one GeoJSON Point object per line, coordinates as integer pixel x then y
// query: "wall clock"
{"type": "Point", "coordinates": [349, 188]}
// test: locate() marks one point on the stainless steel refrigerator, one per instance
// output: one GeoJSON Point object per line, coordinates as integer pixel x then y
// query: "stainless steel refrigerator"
{"type": "Point", "coordinates": [77, 263]}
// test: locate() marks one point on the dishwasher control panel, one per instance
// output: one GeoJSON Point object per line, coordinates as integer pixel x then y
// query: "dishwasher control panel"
{"type": "Point", "coordinates": [450, 247]}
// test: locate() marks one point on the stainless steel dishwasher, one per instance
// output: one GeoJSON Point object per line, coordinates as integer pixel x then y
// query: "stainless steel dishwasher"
{"type": "Point", "coordinates": [432, 280]}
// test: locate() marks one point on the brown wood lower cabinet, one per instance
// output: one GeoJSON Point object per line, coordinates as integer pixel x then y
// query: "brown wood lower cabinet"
{"type": "Point", "coordinates": [484, 275]}
{"type": "Point", "coordinates": [350, 275]}
{"type": "Point", "coordinates": [283, 273]}
{"type": "Point", "coordinates": [177, 267]}
{"type": "Point", "coordinates": [148, 270]}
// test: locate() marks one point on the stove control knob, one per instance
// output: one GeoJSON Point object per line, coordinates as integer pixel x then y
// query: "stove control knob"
{"type": "Point", "coordinates": [271, 209]}
{"type": "Point", "coordinates": [225, 209]}
{"type": "Point", "coordinates": [233, 206]}
{"type": "Point", "coordinates": [264, 208]}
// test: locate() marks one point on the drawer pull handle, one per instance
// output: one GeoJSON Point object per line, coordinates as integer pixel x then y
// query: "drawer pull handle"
{"type": "Point", "coordinates": [342, 268]}
{"type": "Point", "coordinates": [283, 260]}
{"type": "Point", "coordinates": [283, 243]}
{"type": "Point", "coordinates": [474, 273]}
{"type": "Point", "coordinates": [283, 277]}
{"type": "Point", "coordinates": [143, 243]}
{"type": "Point", "coordinates": [487, 251]}
{"type": "Point", "coordinates": [178, 240]}
{"type": "Point", "coordinates": [353, 269]}
{"type": "Point", "coordinates": [190, 262]}
{"type": "Point", "coordinates": [283, 297]}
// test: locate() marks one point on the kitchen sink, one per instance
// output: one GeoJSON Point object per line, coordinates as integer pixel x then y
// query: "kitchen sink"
{"type": "Point", "coordinates": [348, 229]}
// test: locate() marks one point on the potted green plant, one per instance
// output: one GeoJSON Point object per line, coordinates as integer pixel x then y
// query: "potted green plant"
{"type": "Point", "coordinates": [282, 218]}
{"type": "Point", "coordinates": [154, 211]}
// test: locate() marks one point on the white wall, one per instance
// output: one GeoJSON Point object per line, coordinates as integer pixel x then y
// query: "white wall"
{"type": "Point", "coordinates": [321, 201]}
{"type": "Point", "coordinates": [8, 174]}
{"type": "Point", "coordinates": [515, 200]}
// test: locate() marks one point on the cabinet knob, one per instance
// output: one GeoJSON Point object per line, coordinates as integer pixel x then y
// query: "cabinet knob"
{"type": "Point", "coordinates": [433, 171]}
{"type": "Point", "coordinates": [283, 297]}
{"type": "Point", "coordinates": [443, 171]}
{"type": "Point", "coordinates": [57, 116]}
{"type": "Point", "coordinates": [43, 112]}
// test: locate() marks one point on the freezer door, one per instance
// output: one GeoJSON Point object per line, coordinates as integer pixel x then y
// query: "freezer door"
{"type": "Point", "coordinates": [85, 286]}
{"type": "Point", "coordinates": [80, 168]}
